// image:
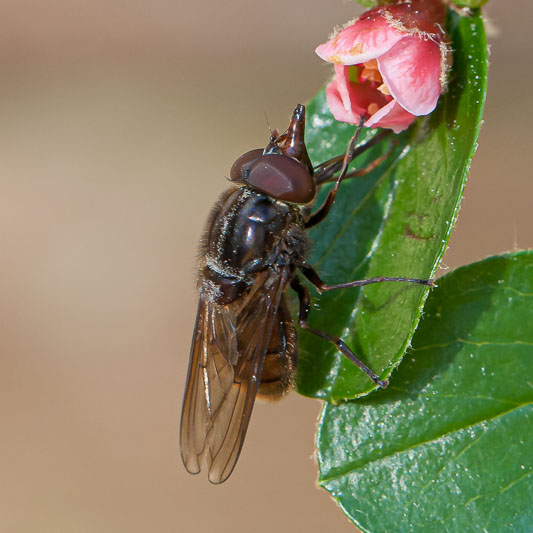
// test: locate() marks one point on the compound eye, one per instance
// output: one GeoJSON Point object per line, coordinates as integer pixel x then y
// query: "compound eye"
{"type": "Point", "coordinates": [240, 169]}
{"type": "Point", "coordinates": [283, 178]}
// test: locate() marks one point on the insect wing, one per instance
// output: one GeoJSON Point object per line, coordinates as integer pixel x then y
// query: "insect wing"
{"type": "Point", "coordinates": [227, 356]}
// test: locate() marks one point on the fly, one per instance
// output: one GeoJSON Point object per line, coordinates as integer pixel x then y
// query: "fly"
{"type": "Point", "coordinates": [254, 249]}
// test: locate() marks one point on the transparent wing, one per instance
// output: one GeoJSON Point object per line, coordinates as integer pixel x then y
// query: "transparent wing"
{"type": "Point", "coordinates": [227, 356]}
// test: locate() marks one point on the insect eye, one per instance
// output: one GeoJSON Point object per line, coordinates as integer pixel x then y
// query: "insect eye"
{"type": "Point", "coordinates": [283, 178]}
{"type": "Point", "coordinates": [240, 169]}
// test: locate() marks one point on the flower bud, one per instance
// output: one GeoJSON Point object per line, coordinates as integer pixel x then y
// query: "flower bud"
{"type": "Point", "coordinates": [391, 64]}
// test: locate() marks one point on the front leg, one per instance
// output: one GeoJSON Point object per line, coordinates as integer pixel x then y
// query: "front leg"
{"type": "Point", "coordinates": [322, 212]}
{"type": "Point", "coordinates": [360, 172]}
{"type": "Point", "coordinates": [325, 171]}
{"type": "Point", "coordinates": [357, 173]}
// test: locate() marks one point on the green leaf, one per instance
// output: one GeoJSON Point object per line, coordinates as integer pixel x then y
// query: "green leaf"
{"type": "Point", "coordinates": [394, 222]}
{"type": "Point", "coordinates": [370, 3]}
{"type": "Point", "coordinates": [470, 3]}
{"type": "Point", "coordinates": [460, 3]}
{"type": "Point", "coordinates": [448, 446]}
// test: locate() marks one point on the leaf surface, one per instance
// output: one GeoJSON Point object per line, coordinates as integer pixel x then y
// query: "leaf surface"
{"type": "Point", "coordinates": [448, 446]}
{"type": "Point", "coordinates": [396, 221]}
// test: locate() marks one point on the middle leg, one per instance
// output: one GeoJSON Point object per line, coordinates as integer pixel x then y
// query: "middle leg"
{"type": "Point", "coordinates": [310, 273]}
{"type": "Point", "coordinates": [305, 306]}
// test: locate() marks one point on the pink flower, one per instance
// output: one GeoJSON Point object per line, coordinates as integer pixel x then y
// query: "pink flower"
{"type": "Point", "coordinates": [391, 64]}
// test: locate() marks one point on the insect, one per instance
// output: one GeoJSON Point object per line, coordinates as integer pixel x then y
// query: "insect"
{"type": "Point", "coordinates": [254, 249]}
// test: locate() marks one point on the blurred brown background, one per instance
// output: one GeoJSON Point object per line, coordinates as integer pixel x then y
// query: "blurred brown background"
{"type": "Point", "coordinates": [118, 122]}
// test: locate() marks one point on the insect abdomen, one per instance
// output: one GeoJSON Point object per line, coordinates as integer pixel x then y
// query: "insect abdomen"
{"type": "Point", "coordinates": [281, 358]}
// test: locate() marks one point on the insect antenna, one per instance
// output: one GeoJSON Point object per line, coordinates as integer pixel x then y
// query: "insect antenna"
{"type": "Point", "coordinates": [268, 123]}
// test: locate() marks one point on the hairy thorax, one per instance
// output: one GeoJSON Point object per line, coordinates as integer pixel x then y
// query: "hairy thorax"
{"type": "Point", "coordinates": [247, 233]}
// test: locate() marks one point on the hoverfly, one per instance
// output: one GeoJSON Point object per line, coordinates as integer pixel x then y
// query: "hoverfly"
{"type": "Point", "coordinates": [254, 247]}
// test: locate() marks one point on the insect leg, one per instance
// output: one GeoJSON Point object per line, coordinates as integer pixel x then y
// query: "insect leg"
{"type": "Point", "coordinates": [310, 273]}
{"type": "Point", "coordinates": [322, 212]}
{"type": "Point", "coordinates": [360, 172]}
{"type": "Point", "coordinates": [325, 171]}
{"type": "Point", "coordinates": [329, 174]}
{"type": "Point", "coordinates": [305, 305]}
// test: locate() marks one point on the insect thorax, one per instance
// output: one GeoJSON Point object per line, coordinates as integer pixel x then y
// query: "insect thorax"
{"type": "Point", "coordinates": [247, 233]}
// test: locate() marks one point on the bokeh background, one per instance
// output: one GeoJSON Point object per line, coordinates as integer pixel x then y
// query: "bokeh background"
{"type": "Point", "coordinates": [118, 122]}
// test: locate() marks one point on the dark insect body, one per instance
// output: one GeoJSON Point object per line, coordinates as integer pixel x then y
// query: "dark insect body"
{"type": "Point", "coordinates": [245, 343]}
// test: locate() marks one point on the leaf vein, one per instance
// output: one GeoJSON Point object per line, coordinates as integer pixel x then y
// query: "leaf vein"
{"type": "Point", "coordinates": [484, 495]}
{"type": "Point", "coordinates": [446, 463]}
{"type": "Point", "coordinates": [352, 466]}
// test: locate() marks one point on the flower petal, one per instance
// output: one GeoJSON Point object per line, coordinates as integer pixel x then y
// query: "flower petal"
{"type": "Point", "coordinates": [420, 15]}
{"type": "Point", "coordinates": [392, 116]}
{"type": "Point", "coordinates": [343, 86]}
{"type": "Point", "coordinates": [412, 72]}
{"type": "Point", "coordinates": [355, 97]}
{"type": "Point", "coordinates": [336, 105]}
{"type": "Point", "coordinates": [367, 38]}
